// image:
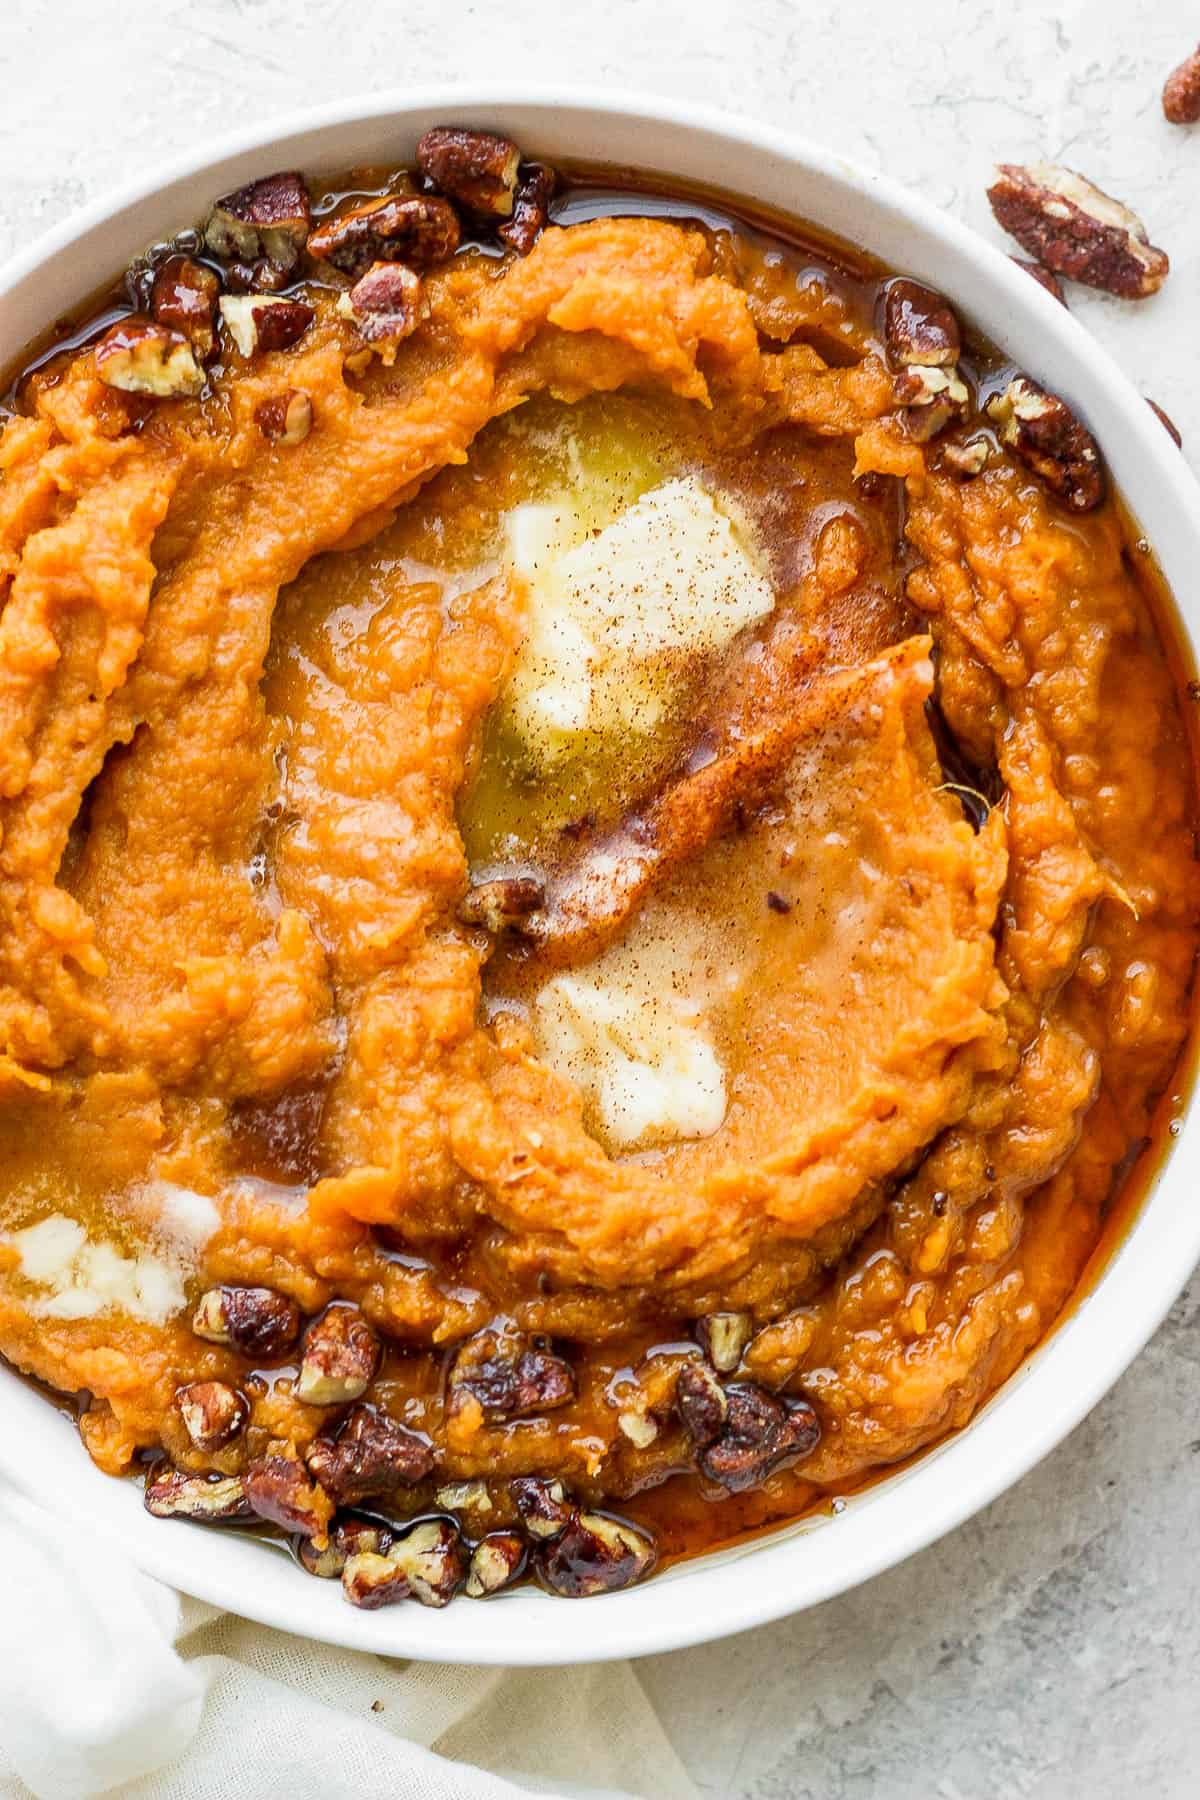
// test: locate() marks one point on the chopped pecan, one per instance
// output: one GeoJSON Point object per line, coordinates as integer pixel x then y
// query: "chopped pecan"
{"type": "Point", "coordinates": [968, 459]}
{"type": "Point", "coordinates": [213, 1413]}
{"type": "Point", "coordinates": [427, 1564]}
{"type": "Point", "coordinates": [543, 1505]}
{"type": "Point", "coordinates": [371, 1580]}
{"type": "Point", "coordinates": [595, 1555]}
{"type": "Point", "coordinates": [701, 1400]}
{"type": "Point", "coordinates": [265, 321]}
{"type": "Point", "coordinates": [1166, 420]}
{"type": "Point", "coordinates": [1042, 431]}
{"type": "Point", "coordinates": [508, 1377]}
{"type": "Point", "coordinates": [267, 218]}
{"type": "Point", "coordinates": [1181, 91]}
{"type": "Point", "coordinates": [476, 168]}
{"type": "Point", "coordinates": [214, 1499]}
{"type": "Point", "coordinates": [279, 1490]}
{"type": "Point", "coordinates": [371, 1455]}
{"type": "Point", "coordinates": [933, 398]}
{"type": "Point", "coordinates": [184, 298]}
{"type": "Point", "coordinates": [638, 1425]}
{"type": "Point", "coordinates": [531, 208]}
{"type": "Point", "coordinates": [255, 1320]}
{"type": "Point", "coordinates": [261, 277]}
{"type": "Point", "coordinates": [140, 356]}
{"type": "Point", "coordinates": [919, 327]}
{"type": "Point", "coordinates": [384, 305]}
{"type": "Point", "coordinates": [503, 903]}
{"type": "Point", "coordinates": [464, 1496]}
{"type": "Point", "coordinates": [339, 1358]}
{"type": "Point", "coordinates": [496, 1562]}
{"type": "Point", "coordinates": [285, 418]}
{"type": "Point", "coordinates": [723, 1336]}
{"type": "Point", "coordinates": [1075, 229]}
{"type": "Point", "coordinates": [760, 1433]}
{"type": "Point", "coordinates": [419, 229]}
{"type": "Point", "coordinates": [348, 1536]}
{"type": "Point", "coordinates": [1044, 277]}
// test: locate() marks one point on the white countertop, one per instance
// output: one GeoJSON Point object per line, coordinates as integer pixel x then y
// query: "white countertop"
{"type": "Point", "coordinates": [1051, 1647]}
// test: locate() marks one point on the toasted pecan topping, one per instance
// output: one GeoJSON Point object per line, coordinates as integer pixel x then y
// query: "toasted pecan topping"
{"type": "Point", "coordinates": [339, 1358]}
{"type": "Point", "coordinates": [919, 327]}
{"type": "Point", "coordinates": [279, 1490]}
{"type": "Point", "coordinates": [265, 321]}
{"type": "Point", "coordinates": [508, 1377]}
{"type": "Point", "coordinates": [418, 229]}
{"type": "Point", "coordinates": [210, 1499]}
{"type": "Point", "coordinates": [371, 1455]}
{"type": "Point", "coordinates": [385, 305]}
{"type": "Point", "coordinates": [213, 1413]}
{"type": "Point", "coordinates": [594, 1555]}
{"type": "Point", "coordinates": [475, 168]}
{"type": "Point", "coordinates": [140, 356]}
{"type": "Point", "coordinates": [1042, 432]}
{"type": "Point", "coordinates": [267, 218]}
{"type": "Point", "coordinates": [496, 1562]}
{"type": "Point", "coordinates": [1044, 277]}
{"type": "Point", "coordinates": [502, 904]}
{"type": "Point", "coordinates": [257, 1321]}
{"type": "Point", "coordinates": [531, 208]}
{"type": "Point", "coordinates": [285, 418]}
{"type": "Point", "coordinates": [184, 298]}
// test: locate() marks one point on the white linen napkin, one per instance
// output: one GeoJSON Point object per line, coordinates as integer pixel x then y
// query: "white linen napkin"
{"type": "Point", "coordinates": [111, 1681]}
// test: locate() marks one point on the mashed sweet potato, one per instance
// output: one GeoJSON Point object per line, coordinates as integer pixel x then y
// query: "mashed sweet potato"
{"type": "Point", "coordinates": [246, 740]}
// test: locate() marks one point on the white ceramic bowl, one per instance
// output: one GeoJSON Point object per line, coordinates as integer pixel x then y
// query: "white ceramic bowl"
{"type": "Point", "coordinates": [799, 1565]}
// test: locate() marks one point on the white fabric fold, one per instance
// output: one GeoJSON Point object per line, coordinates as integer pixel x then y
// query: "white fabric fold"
{"type": "Point", "coordinates": [110, 1681]}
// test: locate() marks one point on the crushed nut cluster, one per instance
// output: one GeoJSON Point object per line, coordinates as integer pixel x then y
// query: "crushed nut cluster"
{"type": "Point", "coordinates": [223, 286]}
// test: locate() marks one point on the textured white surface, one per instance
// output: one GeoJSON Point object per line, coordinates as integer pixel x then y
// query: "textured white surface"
{"type": "Point", "coordinates": [1052, 1646]}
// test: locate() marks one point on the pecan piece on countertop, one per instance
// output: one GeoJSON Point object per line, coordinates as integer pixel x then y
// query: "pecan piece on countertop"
{"type": "Point", "coordinates": [285, 418]}
{"type": "Point", "coordinates": [279, 1490]}
{"type": "Point", "coordinates": [1165, 419]}
{"type": "Point", "coordinates": [371, 1455]}
{"type": "Point", "coordinates": [503, 903]}
{"type": "Point", "coordinates": [385, 305]}
{"type": "Point", "coordinates": [419, 229]}
{"type": "Point", "coordinates": [140, 356]}
{"type": "Point", "coordinates": [475, 168]}
{"type": "Point", "coordinates": [723, 1336]}
{"type": "Point", "coordinates": [216, 1500]}
{"type": "Point", "coordinates": [496, 1562]}
{"type": "Point", "coordinates": [213, 1413]}
{"type": "Point", "coordinates": [759, 1434]}
{"type": "Point", "coordinates": [338, 1359]}
{"type": "Point", "coordinates": [1075, 229]}
{"type": "Point", "coordinates": [1042, 431]}
{"type": "Point", "coordinates": [184, 298]}
{"type": "Point", "coordinates": [701, 1401]}
{"type": "Point", "coordinates": [595, 1555]}
{"type": "Point", "coordinates": [348, 1536]}
{"type": "Point", "coordinates": [254, 1320]}
{"type": "Point", "coordinates": [1045, 278]}
{"type": "Point", "coordinates": [269, 218]}
{"type": "Point", "coordinates": [427, 1564]}
{"type": "Point", "coordinates": [542, 1504]}
{"type": "Point", "coordinates": [1181, 91]}
{"type": "Point", "coordinates": [265, 321]}
{"type": "Point", "coordinates": [509, 1377]}
{"type": "Point", "coordinates": [531, 208]}
{"type": "Point", "coordinates": [919, 326]}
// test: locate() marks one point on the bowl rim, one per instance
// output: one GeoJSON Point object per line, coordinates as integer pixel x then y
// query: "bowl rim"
{"type": "Point", "coordinates": [1067, 1373]}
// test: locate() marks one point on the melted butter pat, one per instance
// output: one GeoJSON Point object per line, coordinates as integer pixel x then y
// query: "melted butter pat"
{"type": "Point", "coordinates": [84, 1278]}
{"type": "Point", "coordinates": [617, 613]}
{"type": "Point", "coordinates": [632, 1030]}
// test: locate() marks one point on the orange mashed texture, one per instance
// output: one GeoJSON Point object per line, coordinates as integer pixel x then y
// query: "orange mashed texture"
{"type": "Point", "coordinates": [231, 856]}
